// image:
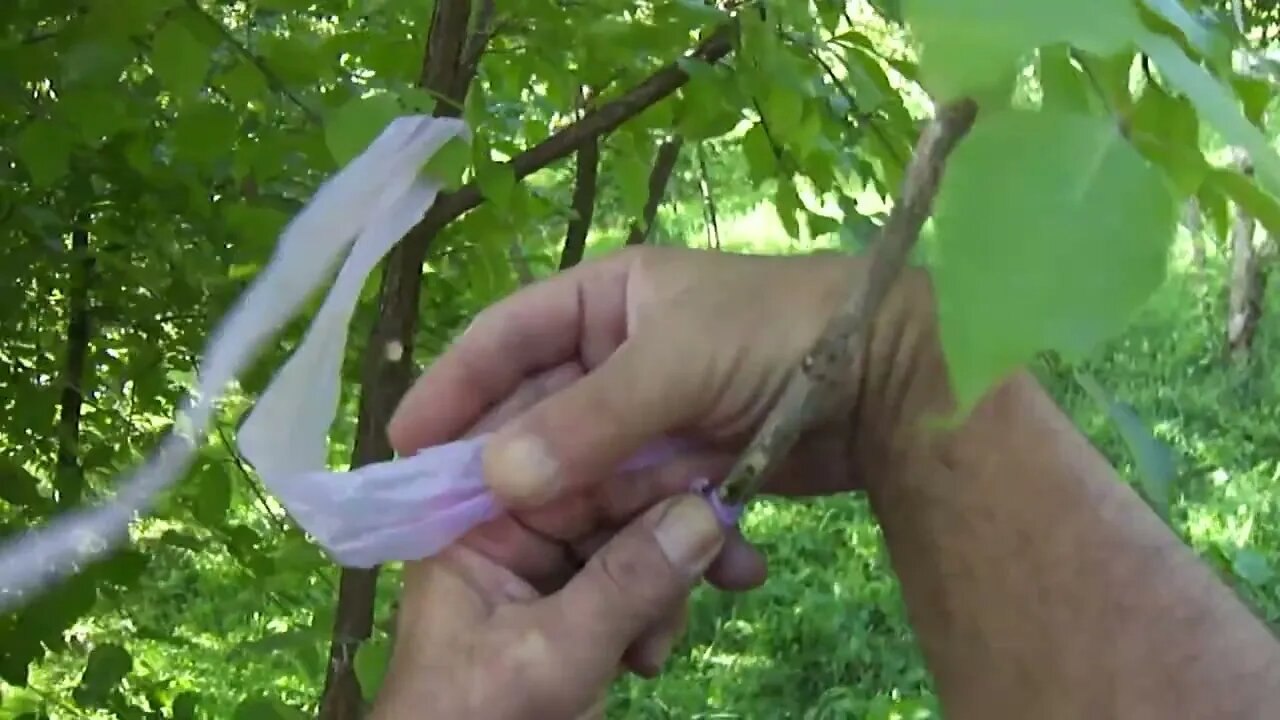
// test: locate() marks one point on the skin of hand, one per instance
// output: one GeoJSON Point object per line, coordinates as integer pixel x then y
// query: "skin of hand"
{"type": "Point", "coordinates": [479, 642]}
{"type": "Point", "coordinates": [575, 374]}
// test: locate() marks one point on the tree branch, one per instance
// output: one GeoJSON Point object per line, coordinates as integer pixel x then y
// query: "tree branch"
{"type": "Point", "coordinates": [388, 367]}
{"type": "Point", "coordinates": [69, 475]}
{"type": "Point", "coordinates": [818, 384]}
{"type": "Point", "coordinates": [663, 164]}
{"type": "Point", "coordinates": [598, 121]}
{"type": "Point", "coordinates": [584, 203]}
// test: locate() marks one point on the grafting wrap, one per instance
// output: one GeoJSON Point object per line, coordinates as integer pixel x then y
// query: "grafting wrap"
{"type": "Point", "coordinates": [402, 509]}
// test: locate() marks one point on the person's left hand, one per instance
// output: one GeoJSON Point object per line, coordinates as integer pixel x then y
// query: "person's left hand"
{"type": "Point", "coordinates": [546, 545]}
{"type": "Point", "coordinates": [476, 641]}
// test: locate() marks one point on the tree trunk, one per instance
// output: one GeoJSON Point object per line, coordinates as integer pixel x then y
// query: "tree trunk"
{"type": "Point", "coordinates": [658, 178]}
{"type": "Point", "coordinates": [1248, 283]}
{"type": "Point", "coordinates": [584, 203]}
{"type": "Point", "coordinates": [69, 475]}
{"type": "Point", "coordinates": [1194, 223]}
{"type": "Point", "coordinates": [387, 370]}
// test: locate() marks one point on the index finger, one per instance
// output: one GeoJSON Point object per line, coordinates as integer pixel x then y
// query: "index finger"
{"type": "Point", "coordinates": [579, 314]}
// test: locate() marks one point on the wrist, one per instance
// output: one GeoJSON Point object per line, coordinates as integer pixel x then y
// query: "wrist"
{"type": "Point", "coordinates": [902, 382]}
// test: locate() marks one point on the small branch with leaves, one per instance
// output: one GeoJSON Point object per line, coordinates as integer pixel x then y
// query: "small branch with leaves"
{"type": "Point", "coordinates": [818, 384]}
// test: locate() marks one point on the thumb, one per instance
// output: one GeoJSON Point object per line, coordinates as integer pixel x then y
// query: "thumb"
{"type": "Point", "coordinates": [634, 582]}
{"type": "Point", "coordinates": [581, 434]}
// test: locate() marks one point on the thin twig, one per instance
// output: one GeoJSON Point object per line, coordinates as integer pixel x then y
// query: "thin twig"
{"type": "Point", "coordinates": [819, 382]}
{"type": "Point", "coordinates": [272, 79]}
{"type": "Point", "coordinates": [708, 200]}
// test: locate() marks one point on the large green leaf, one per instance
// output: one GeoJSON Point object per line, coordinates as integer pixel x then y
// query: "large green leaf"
{"type": "Point", "coordinates": [179, 60]}
{"type": "Point", "coordinates": [1051, 231]}
{"type": "Point", "coordinates": [971, 45]}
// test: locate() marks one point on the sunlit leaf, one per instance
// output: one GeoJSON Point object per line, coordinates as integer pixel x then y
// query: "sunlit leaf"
{"type": "Point", "coordinates": [1051, 232]}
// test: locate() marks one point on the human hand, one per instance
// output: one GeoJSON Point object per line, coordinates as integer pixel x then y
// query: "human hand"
{"type": "Point", "coordinates": [669, 342]}
{"type": "Point", "coordinates": [476, 641]}
{"type": "Point", "coordinates": [547, 545]}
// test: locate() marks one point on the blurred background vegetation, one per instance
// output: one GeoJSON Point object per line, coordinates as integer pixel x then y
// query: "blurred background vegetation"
{"type": "Point", "coordinates": [152, 149]}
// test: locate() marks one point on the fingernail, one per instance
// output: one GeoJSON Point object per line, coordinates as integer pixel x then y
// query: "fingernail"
{"type": "Point", "coordinates": [689, 535]}
{"type": "Point", "coordinates": [521, 470]}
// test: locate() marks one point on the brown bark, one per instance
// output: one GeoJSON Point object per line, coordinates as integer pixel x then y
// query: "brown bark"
{"type": "Point", "coordinates": [584, 203]}
{"type": "Point", "coordinates": [659, 177]}
{"type": "Point", "coordinates": [448, 67]}
{"type": "Point", "coordinates": [69, 476]}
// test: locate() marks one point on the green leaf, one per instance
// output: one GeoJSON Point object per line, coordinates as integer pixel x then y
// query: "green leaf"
{"type": "Point", "coordinates": [213, 497]}
{"type": "Point", "coordinates": [496, 181]}
{"type": "Point", "coordinates": [1255, 201]}
{"type": "Point", "coordinates": [179, 60]}
{"type": "Point", "coordinates": [787, 204]}
{"type": "Point", "coordinates": [971, 45]}
{"type": "Point", "coordinates": [1167, 131]}
{"type": "Point", "coordinates": [1065, 87]}
{"type": "Point", "coordinates": [264, 709]}
{"type": "Point", "coordinates": [761, 159]}
{"type": "Point", "coordinates": [1051, 232]}
{"type": "Point", "coordinates": [449, 163]}
{"type": "Point", "coordinates": [371, 665]}
{"type": "Point", "coordinates": [184, 706]}
{"type": "Point", "coordinates": [1252, 567]}
{"type": "Point", "coordinates": [1204, 39]}
{"type": "Point", "coordinates": [1213, 203]}
{"type": "Point", "coordinates": [1215, 104]}
{"type": "Point", "coordinates": [350, 128]}
{"type": "Point", "coordinates": [19, 487]}
{"type": "Point", "coordinates": [700, 11]}
{"type": "Point", "coordinates": [45, 149]}
{"type": "Point", "coordinates": [245, 84]}
{"type": "Point", "coordinates": [1255, 95]}
{"type": "Point", "coordinates": [783, 110]}
{"type": "Point", "coordinates": [203, 134]}
{"type": "Point", "coordinates": [1155, 460]}
{"type": "Point", "coordinates": [820, 225]}
{"type": "Point", "coordinates": [106, 668]}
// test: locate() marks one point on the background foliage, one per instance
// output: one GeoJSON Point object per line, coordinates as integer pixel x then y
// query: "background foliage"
{"type": "Point", "coordinates": [152, 149]}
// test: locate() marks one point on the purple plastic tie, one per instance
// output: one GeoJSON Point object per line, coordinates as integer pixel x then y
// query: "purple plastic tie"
{"type": "Point", "coordinates": [726, 513]}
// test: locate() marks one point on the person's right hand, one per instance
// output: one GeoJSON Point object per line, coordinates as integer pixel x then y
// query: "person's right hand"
{"type": "Point", "coordinates": [671, 342]}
